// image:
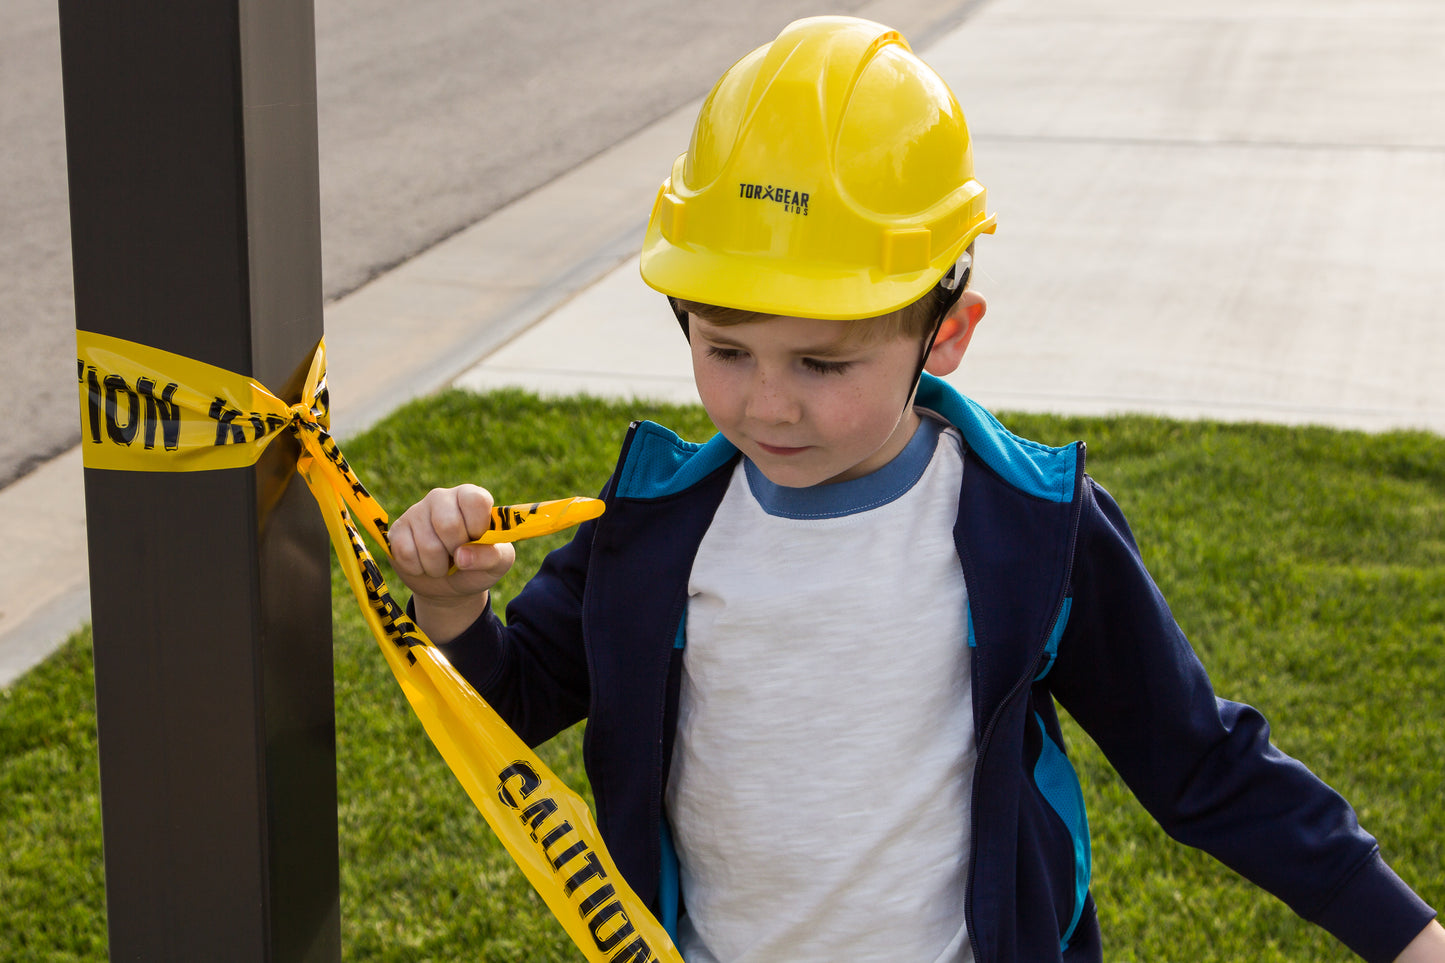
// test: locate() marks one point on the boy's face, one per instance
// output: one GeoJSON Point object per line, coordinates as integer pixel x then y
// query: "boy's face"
{"type": "Point", "coordinates": [804, 401]}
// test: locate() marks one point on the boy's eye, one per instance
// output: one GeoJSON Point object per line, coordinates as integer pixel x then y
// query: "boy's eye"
{"type": "Point", "coordinates": [818, 366]}
{"type": "Point", "coordinates": [725, 355]}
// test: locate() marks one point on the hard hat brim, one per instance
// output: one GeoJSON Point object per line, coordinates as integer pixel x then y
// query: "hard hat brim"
{"type": "Point", "coordinates": [759, 282]}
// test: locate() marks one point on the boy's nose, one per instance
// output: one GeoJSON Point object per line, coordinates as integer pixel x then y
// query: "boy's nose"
{"type": "Point", "coordinates": [771, 402]}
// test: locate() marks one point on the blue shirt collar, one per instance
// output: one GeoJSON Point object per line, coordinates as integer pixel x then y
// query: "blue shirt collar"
{"type": "Point", "coordinates": [855, 495]}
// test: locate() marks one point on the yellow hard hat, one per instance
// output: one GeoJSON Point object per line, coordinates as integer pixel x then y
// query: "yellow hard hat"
{"type": "Point", "coordinates": [830, 175]}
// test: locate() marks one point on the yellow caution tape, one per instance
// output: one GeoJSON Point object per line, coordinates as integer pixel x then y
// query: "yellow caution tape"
{"type": "Point", "coordinates": [511, 523]}
{"type": "Point", "coordinates": [143, 409]}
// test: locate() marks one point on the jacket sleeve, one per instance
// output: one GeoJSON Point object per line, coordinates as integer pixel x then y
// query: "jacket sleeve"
{"type": "Point", "coordinates": [533, 670]}
{"type": "Point", "coordinates": [1203, 766]}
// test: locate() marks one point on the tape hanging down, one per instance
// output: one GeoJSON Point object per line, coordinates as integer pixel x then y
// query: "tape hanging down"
{"type": "Point", "coordinates": [143, 409]}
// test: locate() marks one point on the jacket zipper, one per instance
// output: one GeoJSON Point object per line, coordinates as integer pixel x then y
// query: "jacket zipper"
{"type": "Point", "coordinates": [1013, 693]}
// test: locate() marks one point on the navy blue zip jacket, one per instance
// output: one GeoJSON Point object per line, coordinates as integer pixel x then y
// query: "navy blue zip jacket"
{"type": "Point", "coordinates": [1060, 608]}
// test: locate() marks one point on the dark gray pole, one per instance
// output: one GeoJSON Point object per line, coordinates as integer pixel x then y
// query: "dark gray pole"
{"type": "Point", "coordinates": [191, 134]}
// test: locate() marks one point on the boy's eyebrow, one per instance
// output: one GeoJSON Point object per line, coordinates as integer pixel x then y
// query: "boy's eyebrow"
{"type": "Point", "coordinates": [841, 345]}
{"type": "Point", "coordinates": [836, 348]}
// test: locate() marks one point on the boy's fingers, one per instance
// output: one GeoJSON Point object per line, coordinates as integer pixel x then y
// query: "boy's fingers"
{"type": "Point", "coordinates": [445, 515]}
{"type": "Point", "coordinates": [442, 523]}
{"type": "Point", "coordinates": [492, 561]}
{"type": "Point", "coordinates": [475, 505]}
{"type": "Point", "coordinates": [432, 550]}
{"type": "Point", "coordinates": [417, 548]}
{"type": "Point", "coordinates": [506, 557]}
{"type": "Point", "coordinates": [403, 548]}
{"type": "Point", "coordinates": [460, 515]}
{"type": "Point", "coordinates": [483, 558]}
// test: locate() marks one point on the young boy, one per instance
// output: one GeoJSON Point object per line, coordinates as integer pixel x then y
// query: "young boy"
{"type": "Point", "coordinates": [819, 654]}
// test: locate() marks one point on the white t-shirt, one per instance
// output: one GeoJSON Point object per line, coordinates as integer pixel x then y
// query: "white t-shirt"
{"type": "Point", "coordinates": [820, 780]}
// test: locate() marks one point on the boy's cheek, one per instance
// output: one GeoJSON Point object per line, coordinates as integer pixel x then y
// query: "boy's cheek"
{"type": "Point", "coordinates": [717, 397]}
{"type": "Point", "coordinates": [714, 415]}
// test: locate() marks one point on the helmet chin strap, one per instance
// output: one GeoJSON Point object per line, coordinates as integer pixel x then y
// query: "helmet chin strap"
{"type": "Point", "coordinates": [949, 289]}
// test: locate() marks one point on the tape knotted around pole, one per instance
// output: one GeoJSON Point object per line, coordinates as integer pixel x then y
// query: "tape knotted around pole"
{"type": "Point", "coordinates": [144, 409]}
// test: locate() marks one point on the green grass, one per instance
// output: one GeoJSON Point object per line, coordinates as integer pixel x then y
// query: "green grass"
{"type": "Point", "coordinates": [1307, 565]}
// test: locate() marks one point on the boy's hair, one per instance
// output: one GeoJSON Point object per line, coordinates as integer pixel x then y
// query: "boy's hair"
{"type": "Point", "coordinates": [914, 321]}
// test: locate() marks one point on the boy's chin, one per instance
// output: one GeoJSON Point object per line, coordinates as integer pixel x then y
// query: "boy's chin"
{"type": "Point", "coordinates": [784, 474]}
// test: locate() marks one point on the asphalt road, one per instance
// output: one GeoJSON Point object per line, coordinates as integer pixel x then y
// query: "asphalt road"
{"type": "Point", "coordinates": [432, 115]}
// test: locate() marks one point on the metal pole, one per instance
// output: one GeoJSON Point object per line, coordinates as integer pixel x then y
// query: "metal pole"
{"type": "Point", "coordinates": [191, 134]}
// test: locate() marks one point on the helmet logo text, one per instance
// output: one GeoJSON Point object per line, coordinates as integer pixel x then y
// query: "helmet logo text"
{"type": "Point", "coordinates": [794, 202]}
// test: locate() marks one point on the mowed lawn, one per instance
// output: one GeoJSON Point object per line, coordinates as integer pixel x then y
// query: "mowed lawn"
{"type": "Point", "coordinates": [1307, 566]}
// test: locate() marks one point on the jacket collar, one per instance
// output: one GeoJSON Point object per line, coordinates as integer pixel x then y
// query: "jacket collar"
{"type": "Point", "coordinates": [658, 463]}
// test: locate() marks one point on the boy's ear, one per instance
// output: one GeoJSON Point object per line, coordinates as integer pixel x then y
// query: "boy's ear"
{"type": "Point", "coordinates": [954, 334]}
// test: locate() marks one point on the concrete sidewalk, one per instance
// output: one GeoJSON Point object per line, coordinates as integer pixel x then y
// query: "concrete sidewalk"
{"type": "Point", "coordinates": [1234, 212]}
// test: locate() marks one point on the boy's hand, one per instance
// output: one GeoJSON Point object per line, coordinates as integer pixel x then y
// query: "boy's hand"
{"type": "Point", "coordinates": [428, 538]}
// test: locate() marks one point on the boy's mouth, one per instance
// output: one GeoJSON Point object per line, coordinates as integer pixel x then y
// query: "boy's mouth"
{"type": "Point", "coordinates": [777, 450]}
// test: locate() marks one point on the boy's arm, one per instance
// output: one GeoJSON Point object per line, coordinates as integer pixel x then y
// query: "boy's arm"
{"type": "Point", "coordinates": [532, 671]}
{"type": "Point", "coordinates": [1203, 766]}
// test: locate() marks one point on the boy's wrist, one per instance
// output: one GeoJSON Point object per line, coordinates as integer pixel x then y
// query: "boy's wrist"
{"type": "Point", "coordinates": [1374, 912]}
{"type": "Point", "coordinates": [1427, 947]}
{"type": "Point", "coordinates": [444, 619]}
